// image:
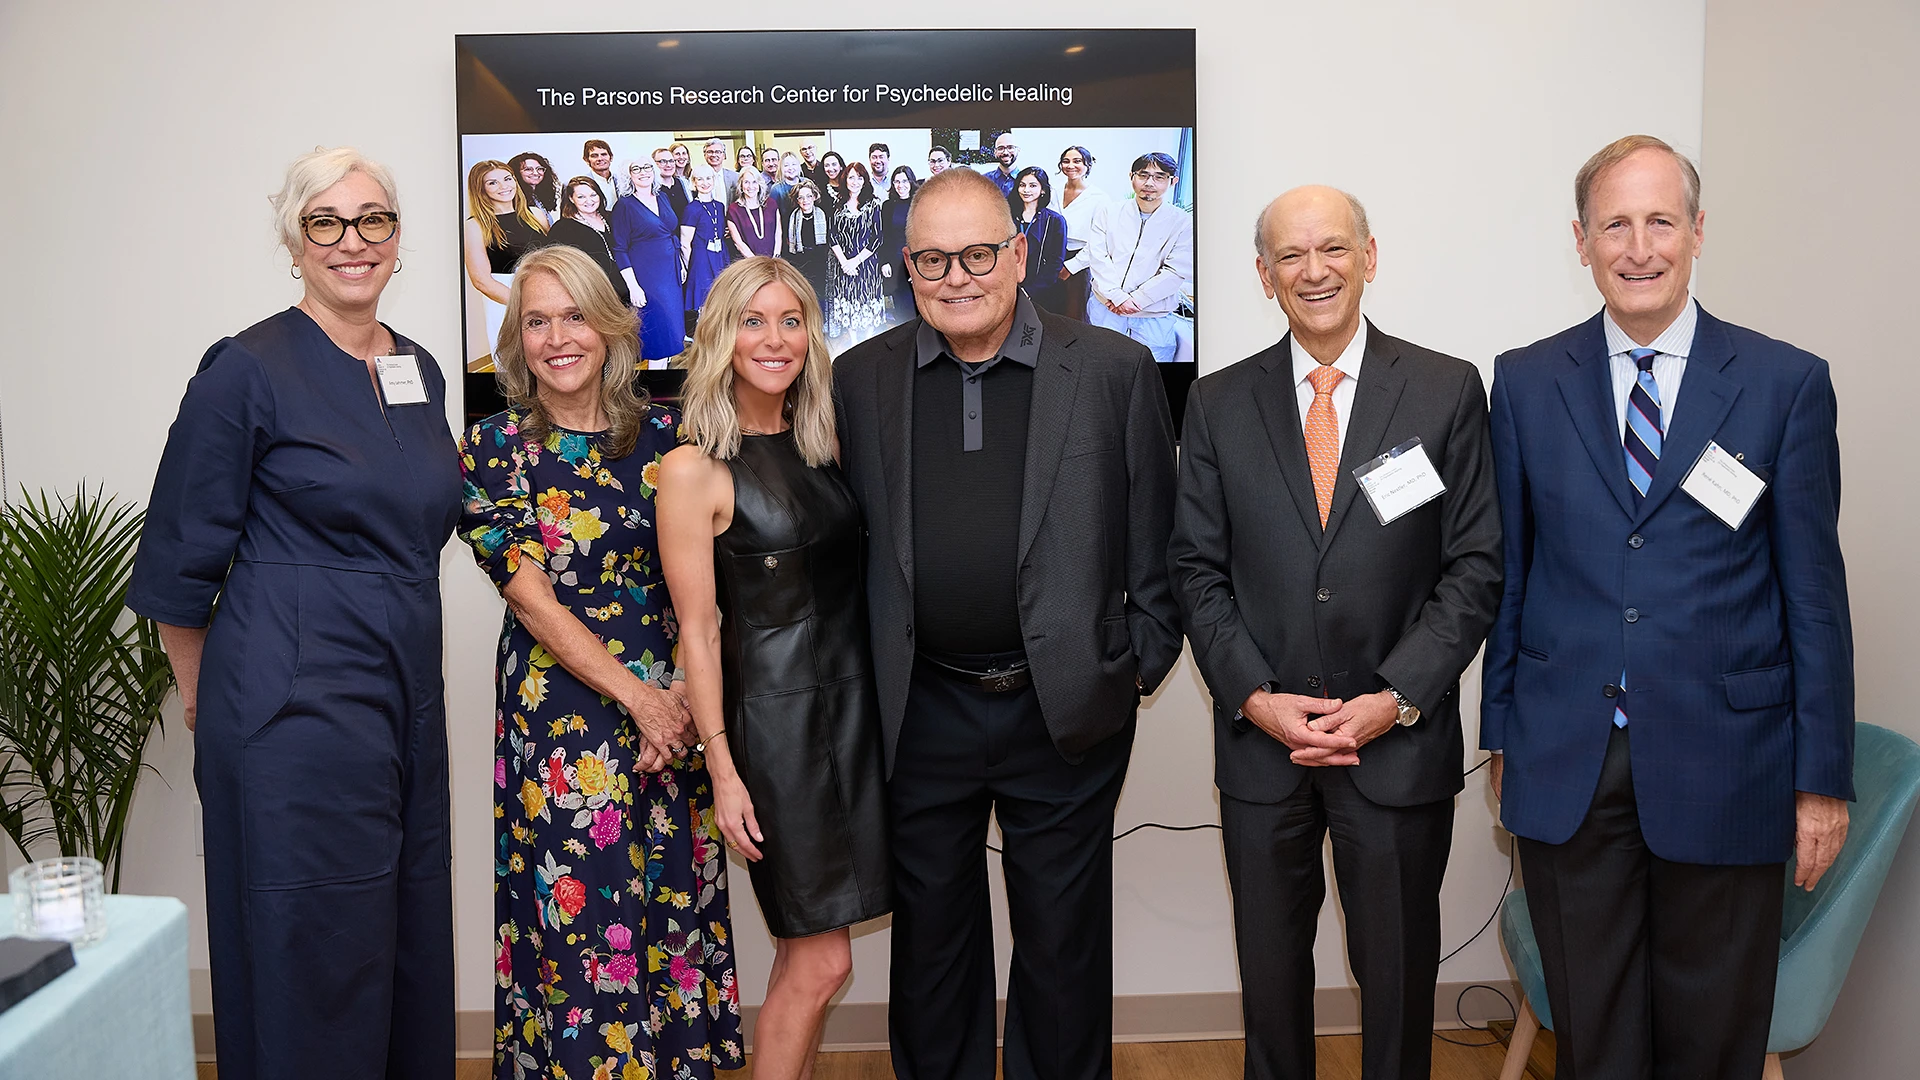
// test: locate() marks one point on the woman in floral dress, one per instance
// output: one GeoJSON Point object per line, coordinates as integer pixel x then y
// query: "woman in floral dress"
{"type": "Point", "coordinates": [614, 951]}
{"type": "Point", "coordinates": [857, 311]}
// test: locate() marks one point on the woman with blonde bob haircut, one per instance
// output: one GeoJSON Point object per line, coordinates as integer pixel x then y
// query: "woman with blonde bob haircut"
{"type": "Point", "coordinates": [611, 937]}
{"type": "Point", "coordinates": [763, 549]}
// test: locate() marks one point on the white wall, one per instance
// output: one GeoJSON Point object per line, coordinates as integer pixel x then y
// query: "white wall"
{"type": "Point", "coordinates": [155, 132]}
{"type": "Point", "coordinates": [1808, 187]}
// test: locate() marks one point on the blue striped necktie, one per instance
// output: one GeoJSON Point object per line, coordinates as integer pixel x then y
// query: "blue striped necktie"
{"type": "Point", "coordinates": [1643, 434]}
{"type": "Point", "coordinates": [1642, 441]}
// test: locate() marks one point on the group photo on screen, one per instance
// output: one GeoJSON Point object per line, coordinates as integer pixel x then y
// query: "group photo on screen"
{"type": "Point", "coordinates": [1107, 212]}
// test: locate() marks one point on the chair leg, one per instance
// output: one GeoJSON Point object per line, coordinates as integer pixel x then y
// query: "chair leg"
{"type": "Point", "coordinates": [1772, 1069]}
{"type": "Point", "coordinates": [1520, 1046]}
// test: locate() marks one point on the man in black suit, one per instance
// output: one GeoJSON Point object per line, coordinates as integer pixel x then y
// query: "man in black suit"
{"type": "Point", "coordinates": [812, 167]}
{"type": "Point", "coordinates": [1016, 471]}
{"type": "Point", "coordinates": [1333, 643]}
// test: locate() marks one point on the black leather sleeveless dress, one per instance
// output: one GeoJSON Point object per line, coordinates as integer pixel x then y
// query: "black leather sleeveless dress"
{"type": "Point", "coordinates": [803, 721]}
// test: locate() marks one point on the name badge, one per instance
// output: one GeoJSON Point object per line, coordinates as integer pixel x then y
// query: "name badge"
{"type": "Point", "coordinates": [714, 244]}
{"type": "Point", "coordinates": [1719, 482]}
{"type": "Point", "coordinates": [1399, 480]}
{"type": "Point", "coordinates": [400, 381]}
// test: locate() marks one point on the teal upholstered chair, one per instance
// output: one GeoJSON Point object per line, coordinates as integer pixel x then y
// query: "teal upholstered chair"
{"type": "Point", "coordinates": [1819, 931]}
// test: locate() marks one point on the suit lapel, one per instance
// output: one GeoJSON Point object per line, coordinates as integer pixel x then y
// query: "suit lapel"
{"type": "Point", "coordinates": [1280, 411]}
{"type": "Point", "coordinates": [894, 375]}
{"type": "Point", "coordinates": [1696, 413]}
{"type": "Point", "coordinates": [1054, 380]}
{"type": "Point", "coordinates": [1374, 400]}
{"type": "Point", "coordinates": [1588, 391]}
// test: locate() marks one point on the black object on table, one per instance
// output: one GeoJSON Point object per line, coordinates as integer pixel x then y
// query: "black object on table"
{"type": "Point", "coordinates": [27, 965]}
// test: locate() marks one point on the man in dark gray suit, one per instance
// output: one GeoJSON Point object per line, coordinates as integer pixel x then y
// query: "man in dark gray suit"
{"type": "Point", "coordinates": [1016, 471]}
{"type": "Point", "coordinates": [1333, 642]}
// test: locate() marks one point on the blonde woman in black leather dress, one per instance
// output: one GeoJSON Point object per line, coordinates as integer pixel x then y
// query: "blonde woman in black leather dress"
{"type": "Point", "coordinates": [762, 546]}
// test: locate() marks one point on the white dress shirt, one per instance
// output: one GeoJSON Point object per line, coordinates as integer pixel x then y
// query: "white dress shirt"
{"type": "Point", "coordinates": [1669, 364]}
{"type": "Point", "coordinates": [1079, 214]}
{"type": "Point", "coordinates": [1343, 391]}
{"type": "Point", "coordinates": [612, 188]}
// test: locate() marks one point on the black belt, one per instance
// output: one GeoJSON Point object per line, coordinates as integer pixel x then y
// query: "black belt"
{"type": "Point", "coordinates": [997, 681]}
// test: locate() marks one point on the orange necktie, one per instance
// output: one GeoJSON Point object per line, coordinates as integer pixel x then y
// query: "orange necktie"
{"type": "Point", "coordinates": [1323, 437]}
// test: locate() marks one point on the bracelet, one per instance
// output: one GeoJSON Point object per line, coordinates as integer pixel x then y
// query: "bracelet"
{"type": "Point", "coordinates": [701, 746]}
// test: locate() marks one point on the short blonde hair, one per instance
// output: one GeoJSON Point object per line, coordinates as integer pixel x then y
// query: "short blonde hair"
{"type": "Point", "coordinates": [712, 420]}
{"type": "Point", "coordinates": [1620, 150]}
{"type": "Point", "coordinates": [311, 174]}
{"type": "Point", "coordinates": [614, 321]}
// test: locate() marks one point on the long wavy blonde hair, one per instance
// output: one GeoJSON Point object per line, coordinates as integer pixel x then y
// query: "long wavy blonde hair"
{"type": "Point", "coordinates": [480, 208]}
{"type": "Point", "coordinates": [614, 321]}
{"type": "Point", "coordinates": [712, 420]}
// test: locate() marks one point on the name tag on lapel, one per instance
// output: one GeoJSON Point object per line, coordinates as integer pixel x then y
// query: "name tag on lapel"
{"type": "Point", "coordinates": [1400, 480]}
{"type": "Point", "coordinates": [1719, 482]}
{"type": "Point", "coordinates": [400, 381]}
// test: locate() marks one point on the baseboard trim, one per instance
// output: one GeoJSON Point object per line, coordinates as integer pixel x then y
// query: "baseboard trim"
{"type": "Point", "coordinates": [862, 1025]}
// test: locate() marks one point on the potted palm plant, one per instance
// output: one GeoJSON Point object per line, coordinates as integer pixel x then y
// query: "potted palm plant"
{"type": "Point", "coordinates": [81, 677]}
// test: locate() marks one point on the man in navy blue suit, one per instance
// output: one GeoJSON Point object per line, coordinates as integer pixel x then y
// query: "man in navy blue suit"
{"type": "Point", "coordinates": [1669, 682]}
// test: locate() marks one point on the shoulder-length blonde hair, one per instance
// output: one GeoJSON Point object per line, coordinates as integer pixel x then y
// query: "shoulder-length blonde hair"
{"type": "Point", "coordinates": [615, 323]}
{"type": "Point", "coordinates": [480, 208]}
{"type": "Point", "coordinates": [712, 420]}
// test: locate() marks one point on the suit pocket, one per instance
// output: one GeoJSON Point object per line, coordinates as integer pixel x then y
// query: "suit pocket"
{"type": "Point", "coordinates": [1537, 654]}
{"type": "Point", "coordinates": [1098, 443]}
{"type": "Point", "coordinates": [1760, 688]}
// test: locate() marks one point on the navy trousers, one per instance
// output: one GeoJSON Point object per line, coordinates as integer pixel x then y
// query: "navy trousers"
{"type": "Point", "coordinates": [321, 761]}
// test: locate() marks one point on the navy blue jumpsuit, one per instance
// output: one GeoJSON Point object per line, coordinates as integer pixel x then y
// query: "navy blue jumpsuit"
{"type": "Point", "coordinates": [317, 519]}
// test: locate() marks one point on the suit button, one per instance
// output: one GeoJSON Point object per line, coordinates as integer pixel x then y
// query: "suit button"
{"type": "Point", "coordinates": [1610, 690]}
{"type": "Point", "coordinates": [1313, 681]}
{"type": "Point", "coordinates": [1636, 540]}
{"type": "Point", "coordinates": [909, 631]}
{"type": "Point", "coordinates": [1323, 595]}
{"type": "Point", "coordinates": [1633, 614]}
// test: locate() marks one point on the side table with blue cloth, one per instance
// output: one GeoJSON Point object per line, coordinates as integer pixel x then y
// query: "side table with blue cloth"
{"type": "Point", "coordinates": [122, 1011]}
{"type": "Point", "coordinates": [1819, 931]}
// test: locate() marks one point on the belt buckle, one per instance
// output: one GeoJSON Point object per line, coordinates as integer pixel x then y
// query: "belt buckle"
{"type": "Point", "coordinates": [1001, 681]}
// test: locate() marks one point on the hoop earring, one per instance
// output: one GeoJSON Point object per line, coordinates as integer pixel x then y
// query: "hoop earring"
{"type": "Point", "coordinates": [396, 265]}
{"type": "Point", "coordinates": [295, 271]}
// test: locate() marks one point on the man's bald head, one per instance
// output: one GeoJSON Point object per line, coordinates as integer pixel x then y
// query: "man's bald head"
{"type": "Point", "coordinates": [1303, 197]}
{"type": "Point", "coordinates": [949, 187]}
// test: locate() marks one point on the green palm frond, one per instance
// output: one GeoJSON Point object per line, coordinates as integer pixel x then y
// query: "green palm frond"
{"type": "Point", "coordinates": [82, 678]}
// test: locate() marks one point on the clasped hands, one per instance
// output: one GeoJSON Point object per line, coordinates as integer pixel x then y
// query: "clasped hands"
{"type": "Point", "coordinates": [665, 723]}
{"type": "Point", "coordinates": [1322, 731]}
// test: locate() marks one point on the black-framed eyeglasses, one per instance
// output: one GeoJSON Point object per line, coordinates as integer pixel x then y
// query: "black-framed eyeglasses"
{"type": "Point", "coordinates": [978, 260]}
{"type": "Point", "coordinates": [326, 230]}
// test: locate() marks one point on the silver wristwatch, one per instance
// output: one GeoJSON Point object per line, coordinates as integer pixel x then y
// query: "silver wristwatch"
{"type": "Point", "coordinates": [1409, 712]}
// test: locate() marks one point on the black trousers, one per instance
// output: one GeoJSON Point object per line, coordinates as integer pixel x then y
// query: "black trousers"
{"type": "Point", "coordinates": [962, 753]}
{"type": "Point", "coordinates": [1388, 862]}
{"type": "Point", "coordinates": [1653, 968]}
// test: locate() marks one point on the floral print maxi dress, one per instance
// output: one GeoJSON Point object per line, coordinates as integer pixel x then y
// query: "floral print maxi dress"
{"type": "Point", "coordinates": [614, 952]}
